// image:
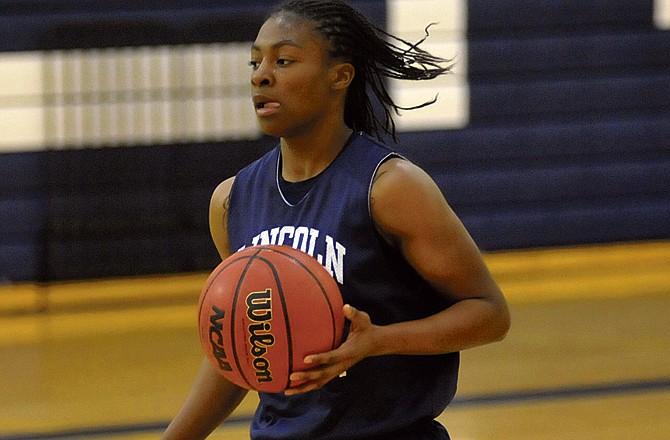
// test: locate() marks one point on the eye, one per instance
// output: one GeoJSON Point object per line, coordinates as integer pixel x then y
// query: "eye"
{"type": "Point", "coordinates": [253, 64]}
{"type": "Point", "coordinates": [283, 62]}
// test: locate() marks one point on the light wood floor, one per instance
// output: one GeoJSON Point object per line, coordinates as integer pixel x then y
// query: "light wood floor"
{"type": "Point", "coordinates": [591, 367]}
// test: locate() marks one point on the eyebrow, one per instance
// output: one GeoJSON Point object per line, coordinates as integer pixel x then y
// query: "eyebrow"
{"type": "Point", "coordinates": [278, 45]}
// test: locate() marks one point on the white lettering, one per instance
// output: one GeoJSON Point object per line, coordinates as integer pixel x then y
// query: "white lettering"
{"type": "Point", "coordinates": [261, 239]}
{"type": "Point", "coordinates": [335, 259]}
{"type": "Point", "coordinates": [300, 238]}
{"type": "Point", "coordinates": [306, 239]}
{"type": "Point", "coordinates": [273, 235]}
{"type": "Point", "coordinates": [286, 231]}
{"type": "Point", "coordinates": [313, 234]}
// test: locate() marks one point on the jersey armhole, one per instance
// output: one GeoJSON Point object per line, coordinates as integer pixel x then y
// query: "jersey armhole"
{"type": "Point", "coordinates": [384, 237]}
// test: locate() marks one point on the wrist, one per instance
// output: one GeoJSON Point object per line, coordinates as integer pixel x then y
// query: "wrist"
{"type": "Point", "coordinates": [384, 340]}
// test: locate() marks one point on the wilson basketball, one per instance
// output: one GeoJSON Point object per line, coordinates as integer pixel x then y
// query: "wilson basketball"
{"type": "Point", "coordinates": [265, 308]}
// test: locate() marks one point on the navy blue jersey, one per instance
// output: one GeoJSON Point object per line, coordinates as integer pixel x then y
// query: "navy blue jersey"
{"type": "Point", "coordinates": [384, 396]}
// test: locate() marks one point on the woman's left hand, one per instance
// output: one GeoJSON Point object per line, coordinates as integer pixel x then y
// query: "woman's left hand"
{"type": "Point", "coordinates": [324, 367]}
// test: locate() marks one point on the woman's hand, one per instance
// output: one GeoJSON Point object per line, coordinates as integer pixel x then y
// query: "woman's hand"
{"type": "Point", "coordinates": [324, 367]}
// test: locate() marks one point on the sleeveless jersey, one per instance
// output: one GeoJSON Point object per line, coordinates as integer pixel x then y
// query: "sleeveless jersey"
{"type": "Point", "coordinates": [395, 396]}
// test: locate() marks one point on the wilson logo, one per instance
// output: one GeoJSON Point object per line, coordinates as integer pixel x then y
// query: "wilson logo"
{"type": "Point", "coordinates": [259, 312]}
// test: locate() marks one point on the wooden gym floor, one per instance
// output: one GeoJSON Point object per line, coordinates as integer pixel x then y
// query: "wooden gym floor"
{"type": "Point", "coordinates": [588, 356]}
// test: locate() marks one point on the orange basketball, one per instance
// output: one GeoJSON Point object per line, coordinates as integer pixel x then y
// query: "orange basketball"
{"type": "Point", "coordinates": [265, 308]}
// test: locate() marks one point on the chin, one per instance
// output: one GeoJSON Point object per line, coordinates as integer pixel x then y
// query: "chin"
{"type": "Point", "coordinates": [275, 130]}
{"type": "Point", "coordinates": [270, 129]}
{"type": "Point", "coordinates": [272, 133]}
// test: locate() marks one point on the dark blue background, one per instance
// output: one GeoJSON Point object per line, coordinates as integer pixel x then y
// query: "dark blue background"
{"type": "Point", "coordinates": [568, 141]}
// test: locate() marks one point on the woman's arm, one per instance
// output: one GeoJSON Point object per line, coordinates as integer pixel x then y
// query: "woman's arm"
{"type": "Point", "coordinates": [410, 211]}
{"type": "Point", "coordinates": [218, 217]}
{"type": "Point", "coordinates": [212, 398]}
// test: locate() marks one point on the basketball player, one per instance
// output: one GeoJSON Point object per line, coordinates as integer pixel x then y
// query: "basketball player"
{"type": "Point", "coordinates": [416, 288]}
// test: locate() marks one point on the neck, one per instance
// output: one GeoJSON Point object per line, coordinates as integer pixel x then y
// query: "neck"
{"type": "Point", "coordinates": [306, 156]}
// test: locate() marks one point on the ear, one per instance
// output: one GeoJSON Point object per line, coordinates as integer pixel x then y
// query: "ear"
{"type": "Point", "coordinates": [342, 75]}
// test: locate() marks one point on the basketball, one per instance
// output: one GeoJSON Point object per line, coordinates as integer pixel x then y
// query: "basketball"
{"type": "Point", "coordinates": [265, 308]}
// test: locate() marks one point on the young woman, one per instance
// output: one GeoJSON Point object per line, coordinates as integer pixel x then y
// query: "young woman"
{"type": "Point", "coordinates": [416, 288]}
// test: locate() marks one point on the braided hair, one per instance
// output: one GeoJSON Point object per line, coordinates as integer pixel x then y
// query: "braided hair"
{"type": "Point", "coordinates": [375, 55]}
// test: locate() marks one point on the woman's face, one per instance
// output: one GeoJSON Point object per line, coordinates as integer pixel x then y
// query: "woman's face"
{"type": "Point", "coordinates": [291, 79]}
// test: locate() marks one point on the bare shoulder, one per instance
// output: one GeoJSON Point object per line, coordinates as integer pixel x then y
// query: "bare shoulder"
{"type": "Point", "coordinates": [222, 191]}
{"type": "Point", "coordinates": [218, 216]}
{"type": "Point", "coordinates": [397, 167]}
{"type": "Point", "coordinates": [398, 173]}
{"type": "Point", "coordinates": [400, 189]}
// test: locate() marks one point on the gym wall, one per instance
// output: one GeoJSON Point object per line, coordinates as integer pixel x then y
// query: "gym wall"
{"type": "Point", "coordinates": [117, 120]}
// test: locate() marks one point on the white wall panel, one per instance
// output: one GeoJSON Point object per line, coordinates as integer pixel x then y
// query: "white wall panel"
{"type": "Point", "coordinates": [126, 96]}
{"type": "Point", "coordinates": [662, 14]}
{"type": "Point", "coordinates": [408, 20]}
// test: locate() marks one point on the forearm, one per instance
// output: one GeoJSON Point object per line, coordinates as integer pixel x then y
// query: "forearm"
{"type": "Point", "coordinates": [468, 323]}
{"type": "Point", "coordinates": [212, 398]}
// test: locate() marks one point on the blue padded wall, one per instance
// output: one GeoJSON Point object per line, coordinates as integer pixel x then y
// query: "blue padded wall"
{"type": "Point", "coordinates": [567, 141]}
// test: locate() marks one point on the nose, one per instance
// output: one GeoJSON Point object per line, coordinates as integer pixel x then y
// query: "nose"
{"type": "Point", "coordinates": [262, 75]}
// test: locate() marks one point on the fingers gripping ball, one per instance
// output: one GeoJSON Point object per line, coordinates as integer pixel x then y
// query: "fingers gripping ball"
{"type": "Point", "coordinates": [265, 308]}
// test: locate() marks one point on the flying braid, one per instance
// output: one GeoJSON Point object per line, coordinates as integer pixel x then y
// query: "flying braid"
{"type": "Point", "coordinates": [375, 54]}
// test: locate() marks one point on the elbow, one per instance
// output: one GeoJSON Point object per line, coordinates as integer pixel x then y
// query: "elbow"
{"type": "Point", "coordinates": [502, 324]}
{"type": "Point", "coordinates": [497, 323]}
{"type": "Point", "coordinates": [493, 325]}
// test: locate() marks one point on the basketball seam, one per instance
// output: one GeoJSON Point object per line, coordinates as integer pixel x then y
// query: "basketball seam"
{"type": "Point", "coordinates": [232, 316]}
{"type": "Point", "coordinates": [287, 323]}
{"type": "Point", "coordinates": [209, 284]}
{"type": "Point", "coordinates": [323, 292]}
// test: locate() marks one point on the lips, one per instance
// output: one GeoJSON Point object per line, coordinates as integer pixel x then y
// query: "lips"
{"type": "Point", "coordinates": [265, 106]}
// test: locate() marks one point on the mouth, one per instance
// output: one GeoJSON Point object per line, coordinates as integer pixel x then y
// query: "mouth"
{"type": "Point", "coordinates": [260, 101]}
{"type": "Point", "coordinates": [265, 106]}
